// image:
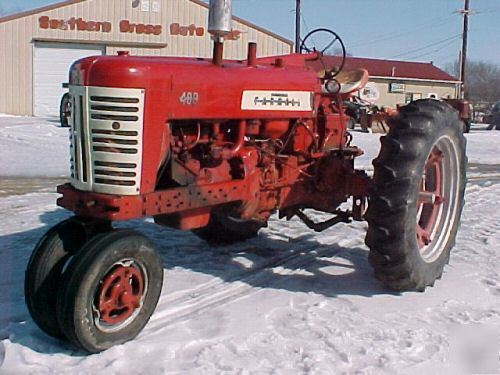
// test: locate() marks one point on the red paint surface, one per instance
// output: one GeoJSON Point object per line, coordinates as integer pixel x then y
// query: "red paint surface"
{"type": "Point", "coordinates": [166, 79]}
{"type": "Point", "coordinates": [213, 159]}
{"type": "Point", "coordinates": [120, 294]}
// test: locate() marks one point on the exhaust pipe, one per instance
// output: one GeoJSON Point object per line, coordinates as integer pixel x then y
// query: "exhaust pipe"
{"type": "Point", "coordinates": [252, 54]}
{"type": "Point", "coordinates": [220, 22]}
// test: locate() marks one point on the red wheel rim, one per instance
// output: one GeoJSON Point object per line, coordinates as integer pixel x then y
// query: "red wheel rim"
{"type": "Point", "coordinates": [120, 294]}
{"type": "Point", "coordinates": [430, 198]}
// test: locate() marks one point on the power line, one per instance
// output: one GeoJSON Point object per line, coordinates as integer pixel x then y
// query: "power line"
{"type": "Point", "coordinates": [440, 49]}
{"type": "Point", "coordinates": [436, 23]}
{"type": "Point", "coordinates": [426, 46]}
{"type": "Point", "coordinates": [305, 23]}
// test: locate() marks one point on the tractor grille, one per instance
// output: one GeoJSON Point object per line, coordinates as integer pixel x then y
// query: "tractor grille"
{"type": "Point", "coordinates": [106, 139]}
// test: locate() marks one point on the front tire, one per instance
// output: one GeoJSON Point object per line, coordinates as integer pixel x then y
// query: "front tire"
{"type": "Point", "coordinates": [417, 196]}
{"type": "Point", "coordinates": [44, 272]}
{"type": "Point", "coordinates": [110, 290]}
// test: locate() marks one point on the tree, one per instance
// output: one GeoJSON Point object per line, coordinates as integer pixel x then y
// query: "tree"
{"type": "Point", "coordinates": [482, 80]}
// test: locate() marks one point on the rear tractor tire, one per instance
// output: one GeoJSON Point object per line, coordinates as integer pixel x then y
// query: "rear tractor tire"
{"type": "Point", "coordinates": [417, 196]}
{"type": "Point", "coordinates": [109, 290]}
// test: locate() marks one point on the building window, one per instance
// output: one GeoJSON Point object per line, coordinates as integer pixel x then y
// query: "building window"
{"type": "Point", "coordinates": [408, 97]}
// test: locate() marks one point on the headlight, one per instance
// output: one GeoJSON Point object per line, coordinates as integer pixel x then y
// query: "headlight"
{"type": "Point", "coordinates": [332, 86]}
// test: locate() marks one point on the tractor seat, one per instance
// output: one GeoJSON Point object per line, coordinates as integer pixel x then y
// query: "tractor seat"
{"type": "Point", "coordinates": [350, 80]}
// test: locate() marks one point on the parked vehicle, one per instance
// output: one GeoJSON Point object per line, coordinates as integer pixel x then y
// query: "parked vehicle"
{"type": "Point", "coordinates": [371, 116]}
{"type": "Point", "coordinates": [216, 147]}
{"type": "Point", "coordinates": [65, 108]}
{"type": "Point", "coordinates": [464, 111]}
{"type": "Point", "coordinates": [493, 117]}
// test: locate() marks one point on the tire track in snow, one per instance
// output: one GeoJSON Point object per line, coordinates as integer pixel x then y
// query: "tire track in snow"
{"type": "Point", "coordinates": [239, 285]}
{"type": "Point", "coordinates": [217, 292]}
{"type": "Point", "coordinates": [190, 303]}
{"type": "Point", "coordinates": [485, 177]}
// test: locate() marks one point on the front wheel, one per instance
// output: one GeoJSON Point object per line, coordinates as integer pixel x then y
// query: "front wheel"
{"type": "Point", "coordinates": [417, 195]}
{"type": "Point", "coordinates": [44, 271]}
{"type": "Point", "coordinates": [110, 290]}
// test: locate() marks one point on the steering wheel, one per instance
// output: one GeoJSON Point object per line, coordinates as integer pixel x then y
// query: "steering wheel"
{"type": "Point", "coordinates": [334, 39]}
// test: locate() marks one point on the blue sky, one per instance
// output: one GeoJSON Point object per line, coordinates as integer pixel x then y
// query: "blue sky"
{"type": "Point", "coordinates": [423, 30]}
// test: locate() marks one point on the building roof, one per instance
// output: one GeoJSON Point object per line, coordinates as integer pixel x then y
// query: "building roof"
{"type": "Point", "coordinates": [71, 2]}
{"type": "Point", "coordinates": [390, 68]}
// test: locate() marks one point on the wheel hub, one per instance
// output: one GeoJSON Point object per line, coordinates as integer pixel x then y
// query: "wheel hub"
{"type": "Point", "coordinates": [120, 294]}
{"type": "Point", "coordinates": [430, 198]}
{"type": "Point", "coordinates": [437, 201]}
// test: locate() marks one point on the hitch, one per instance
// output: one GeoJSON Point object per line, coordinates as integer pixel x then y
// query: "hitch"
{"type": "Point", "coordinates": [341, 217]}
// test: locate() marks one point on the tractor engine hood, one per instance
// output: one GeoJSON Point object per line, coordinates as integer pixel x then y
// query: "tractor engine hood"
{"type": "Point", "coordinates": [268, 89]}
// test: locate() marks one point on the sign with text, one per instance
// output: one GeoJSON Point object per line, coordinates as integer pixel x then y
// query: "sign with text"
{"type": "Point", "coordinates": [191, 30]}
{"type": "Point", "coordinates": [276, 100]}
{"type": "Point", "coordinates": [370, 93]}
{"type": "Point", "coordinates": [126, 26]}
{"type": "Point", "coordinates": [397, 88]}
{"type": "Point", "coordinates": [79, 24]}
{"type": "Point", "coordinates": [74, 24]}
{"type": "Point", "coordinates": [139, 28]}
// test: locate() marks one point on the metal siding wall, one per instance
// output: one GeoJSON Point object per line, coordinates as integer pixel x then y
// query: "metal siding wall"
{"type": "Point", "coordinates": [16, 36]}
{"type": "Point", "coordinates": [3, 67]}
{"type": "Point", "coordinates": [16, 73]}
{"type": "Point", "coordinates": [135, 51]}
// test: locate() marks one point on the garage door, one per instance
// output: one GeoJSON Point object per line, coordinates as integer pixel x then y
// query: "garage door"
{"type": "Point", "coordinates": [51, 63]}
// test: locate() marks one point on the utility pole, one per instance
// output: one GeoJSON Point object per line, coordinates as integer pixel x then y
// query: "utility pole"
{"type": "Point", "coordinates": [463, 54]}
{"type": "Point", "coordinates": [297, 26]}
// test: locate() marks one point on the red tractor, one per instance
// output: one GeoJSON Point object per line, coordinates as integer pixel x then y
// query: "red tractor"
{"type": "Point", "coordinates": [217, 147]}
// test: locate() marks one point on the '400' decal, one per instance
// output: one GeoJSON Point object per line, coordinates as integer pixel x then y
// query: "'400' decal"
{"type": "Point", "coordinates": [189, 98]}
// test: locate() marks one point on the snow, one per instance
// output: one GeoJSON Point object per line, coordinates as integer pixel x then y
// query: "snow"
{"type": "Point", "coordinates": [289, 302]}
{"type": "Point", "coordinates": [31, 146]}
{"type": "Point", "coordinates": [482, 146]}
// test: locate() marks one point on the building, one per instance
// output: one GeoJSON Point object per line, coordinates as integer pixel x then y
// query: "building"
{"type": "Point", "coordinates": [38, 47]}
{"type": "Point", "coordinates": [394, 83]}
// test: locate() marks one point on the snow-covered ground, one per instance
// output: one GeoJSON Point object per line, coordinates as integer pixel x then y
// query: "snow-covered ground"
{"type": "Point", "coordinates": [288, 302]}
{"type": "Point", "coordinates": [31, 146]}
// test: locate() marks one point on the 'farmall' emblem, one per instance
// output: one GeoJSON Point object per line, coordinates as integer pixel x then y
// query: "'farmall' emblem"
{"type": "Point", "coordinates": [264, 100]}
{"type": "Point", "coordinates": [277, 99]}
